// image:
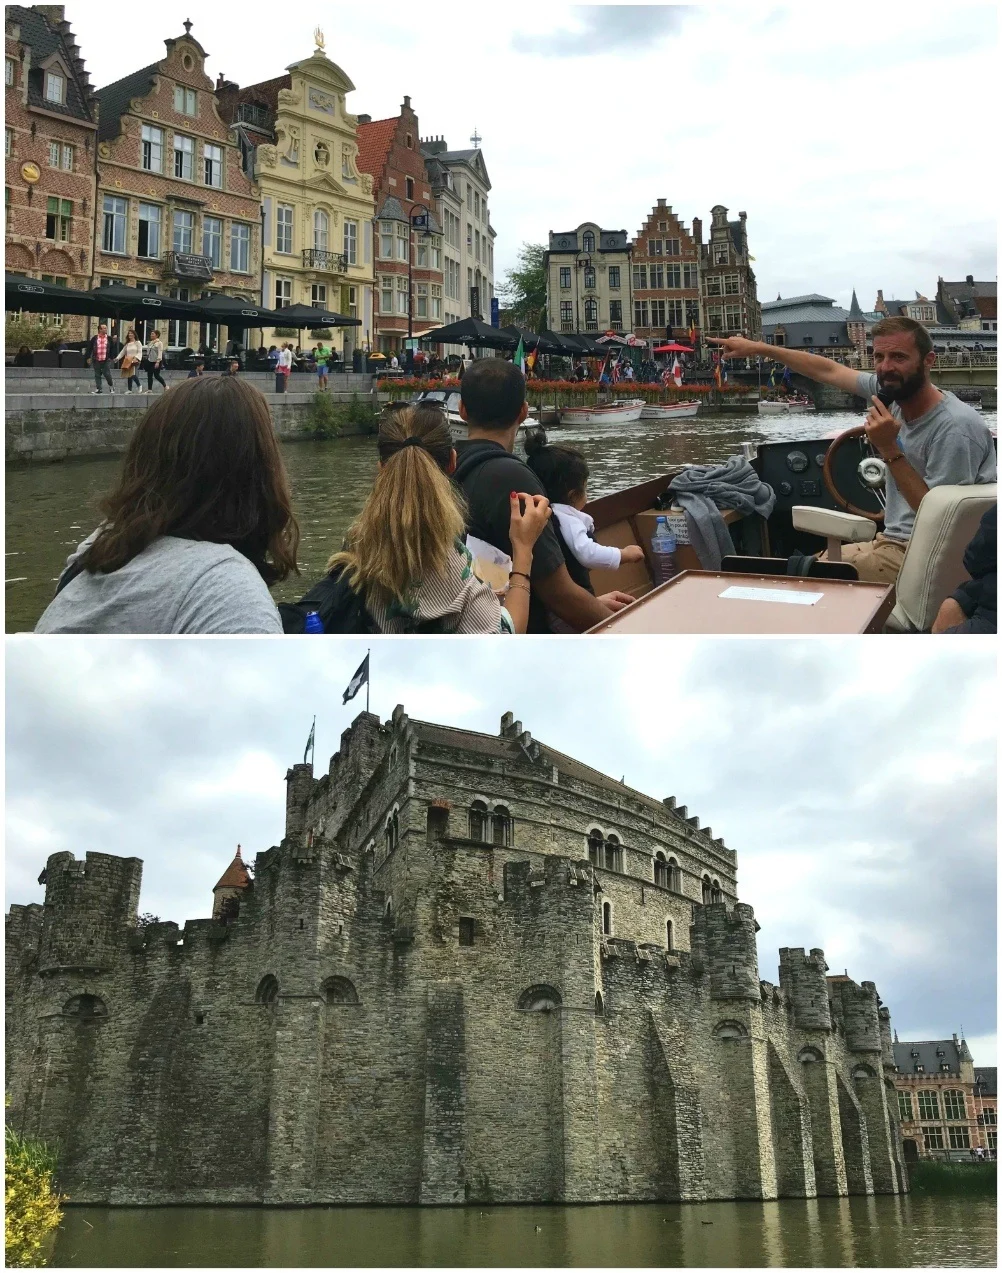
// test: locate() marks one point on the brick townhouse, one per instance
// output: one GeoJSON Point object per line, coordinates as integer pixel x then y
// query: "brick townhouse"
{"type": "Point", "coordinates": [729, 291]}
{"type": "Point", "coordinates": [50, 134]}
{"type": "Point", "coordinates": [390, 150]}
{"type": "Point", "coordinates": [665, 277]}
{"type": "Point", "coordinates": [177, 214]}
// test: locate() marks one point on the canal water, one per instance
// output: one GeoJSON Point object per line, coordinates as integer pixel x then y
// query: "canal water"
{"type": "Point", "coordinates": [51, 507]}
{"type": "Point", "coordinates": [886, 1232]}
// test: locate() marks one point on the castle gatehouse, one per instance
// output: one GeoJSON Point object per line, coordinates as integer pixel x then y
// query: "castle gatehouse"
{"type": "Point", "coordinates": [474, 970]}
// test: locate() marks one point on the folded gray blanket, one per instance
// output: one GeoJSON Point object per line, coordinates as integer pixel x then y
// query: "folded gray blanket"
{"type": "Point", "coordinates": [704, 489]}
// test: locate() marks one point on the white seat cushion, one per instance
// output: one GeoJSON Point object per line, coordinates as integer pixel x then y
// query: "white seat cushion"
{"type": "Point", "coordinates": [830, 523]}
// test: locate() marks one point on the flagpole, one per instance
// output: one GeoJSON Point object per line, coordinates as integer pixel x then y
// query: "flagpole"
{"type": "Point", "coordinates": [367, 680]}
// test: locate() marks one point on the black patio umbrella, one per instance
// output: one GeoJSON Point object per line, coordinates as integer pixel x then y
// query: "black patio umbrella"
{"type": "Point", "coordinates": [551, 343]}
{"type": "Point", "coordinates": [309, 316]}
{"type": "Point", "coordinates": [35, 297]}
{"type": "Point", "coordinates": [119, 301]}
{"type": "Point", "coordinates": [470, 331]}
{"type": "Point", "coordinates": [232, 312]}
{"type": "Point", "coordinates": [579, 344]}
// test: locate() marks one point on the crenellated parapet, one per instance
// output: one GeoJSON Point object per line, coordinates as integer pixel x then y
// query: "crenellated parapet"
{"type": "Point", "coordinates": [803, 978]}
{"type": "Point", "coordinates": [90, 906]}
{"type": "Point", "coordinates": [723, 942]}
{"type": "Point", "coordinates": [856, 1007]}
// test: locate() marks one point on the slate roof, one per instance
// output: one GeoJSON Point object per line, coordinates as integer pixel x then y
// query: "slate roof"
{"type": "Point", "coordinates": [953, 1054]}
{"type": "Point", "coordinates": [393, 210]}
{"type": "Point", "coordinates": [463, 156]}
{"type": "Point", "coordinates": [811, 335]}
{"type": "Point", "coordinates": [236, 874]}
{"type": "Point", "coordinates": [808, 299]}
{"type": "Point", "coordinates": [964, 290]}
{"type": "Point", "coordinates": [854, 310]}
{"type": "Point", "coordinates": [986, 1076]}
{"type": "Point", "coordinates": [37, 35]}
{"type": "Point", "coordinates": [114, 98]}
{"type": "Point", "coordinates": [774, 315]}
{"type": "Point", "coordinates": [374, 141]}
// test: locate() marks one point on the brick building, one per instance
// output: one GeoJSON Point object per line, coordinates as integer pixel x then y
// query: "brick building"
{"type": "Point", "coordinates": [665, 278]}
{"type": "Point", "coordinates": [390, 151]}
{"type": "Point", "coordinates": [176, 213]}
{"type": "Point", "coordinates": [729, 291]}
{"type": "Point", "coordinates": [921, 309]}
{"type": "Point", "coordinates": [969, 305]}
{"type": "Point", "coordinates": [937, 1101]}
{"type": "Point", "coordinates": [474, 970]}
{"type": "Point", "coordinates": [986, 1099]}
{"type": "Point", "coordinates": [50, 118]}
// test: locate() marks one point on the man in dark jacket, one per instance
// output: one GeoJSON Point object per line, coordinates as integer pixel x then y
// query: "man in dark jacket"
{"type": "Point", "coordinates": [973, 607]}
{"type": "Point", "coordinates": [493, 405]}
{"type": "Point", "coordinates": [102, 350]}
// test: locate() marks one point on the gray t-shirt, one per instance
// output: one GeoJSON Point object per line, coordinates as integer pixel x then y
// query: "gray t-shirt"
{"type": "Point", "coordinates": [948, 446]}
{"type": "Point", "coordinates": [174, 585]}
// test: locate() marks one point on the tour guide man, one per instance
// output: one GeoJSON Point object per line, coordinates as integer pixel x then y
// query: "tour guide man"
{"type": "Point", "coordinates": [928, 438]}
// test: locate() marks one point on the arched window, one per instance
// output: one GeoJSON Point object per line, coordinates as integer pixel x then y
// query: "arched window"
{"type": "Point", "coordinates": [674, 876]}
{"type": "Point", "coordinates": [478, 820]}
{"type": "Point", "coordinates": [502, 826]}
{"type": "Point", "coordinates": [395, 827]}
{"type": "Point", "coordinates": [729, 1030]}
{"type": "Point", "coordinates": [339, 990]}
{"type": "Point", "coordinates": [388, 834]}
{"type": "Point", "coordinates": [321, 230]}
{"type": "Point", "coordinates": [591, 311]}
{"type": "Point", "coordinates": [613, 854]}
{"type": "Point", "coordinates": [707, 890]}
{"type": "Point", "coordinates": [809, 1056]}
{"type": "Point", "coordinates": [599, 1005]}
{"type": "Point", "coordinates": [669, 935]}
{"type": "Point", "coordinates": [267, 991]}
{"type": "Point", "coordinates": [607, 919]}
{"type": "Point", "coordinates": [84, 1007]}
{"type": "Point", "coordinates": [539, 999]}
{"type": "Point", "coordinates": [715, 893]}
{"type": "Point", "coordinates": [589, 276]}
{"type": "Point", "coordinates": [660, 870]}
{"type": "Point", "coordinates": [595, 845]}
{"type": "Point", "coordinates": [588, 241]}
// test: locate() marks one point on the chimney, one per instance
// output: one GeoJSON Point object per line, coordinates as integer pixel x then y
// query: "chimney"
{"type": "Point", "coordinates": [697, 229]}
{"type": "Point", "coordinates": [364, 119]}
{"type": "Point", "coordinates": [407, 104]}
{"type": "Point", "coordinates": [970, 280]}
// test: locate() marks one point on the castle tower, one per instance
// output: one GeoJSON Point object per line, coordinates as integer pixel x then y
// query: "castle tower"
{"type": "Point", "coordinates": [725, 941]}
{"type": "Point", "coordinates": [855, 326]}
{"type": "Point", "coordinates": [232, 885]}
{"type": "Point", "coordinates": [89, 906]}
{"type": "Point", "coordinates": [802, 976]}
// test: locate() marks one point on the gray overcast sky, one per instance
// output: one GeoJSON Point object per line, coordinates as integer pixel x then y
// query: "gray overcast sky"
{"type": "Point", "coordinates": [856, 779]}
{"type": "Point", "coordinates": [849, 134]}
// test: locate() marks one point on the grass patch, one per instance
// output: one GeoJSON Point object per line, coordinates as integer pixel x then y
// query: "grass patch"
{"type": "Point", "coordinates": [930, 1176]}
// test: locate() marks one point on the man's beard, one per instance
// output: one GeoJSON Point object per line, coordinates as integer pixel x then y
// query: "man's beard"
{"type": "Point", "coordinates": [908, 388]}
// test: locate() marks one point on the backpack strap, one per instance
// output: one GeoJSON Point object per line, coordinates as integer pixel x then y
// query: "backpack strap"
{"type": "Point", "coordinates": [69, 574]}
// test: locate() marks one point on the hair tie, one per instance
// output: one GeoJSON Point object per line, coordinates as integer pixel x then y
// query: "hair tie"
{"type": "Point", "coordinates": [411, 441]}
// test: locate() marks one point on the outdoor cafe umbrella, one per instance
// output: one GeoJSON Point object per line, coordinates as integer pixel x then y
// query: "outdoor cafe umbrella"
{"type": "Point", "coordinates": [119, 301]}
{"type": "Point", "coordinates": [311, 316]}
{"type": "Point", "coordinates": [230, 311]}
{"type": "Point", "coordinates": [35, 297]}
{"type": "Point", "coordinates": [673, 349]}
{"type": "Point", "coordinates": [469, 331]}
{"type": "Point", "coordinates": [543, 342]}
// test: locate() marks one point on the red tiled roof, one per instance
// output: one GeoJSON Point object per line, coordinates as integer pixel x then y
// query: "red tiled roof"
{"type": "Point", "coordinates": [374, 141]}
{"type": "Point", "coordinates": [236, 874]}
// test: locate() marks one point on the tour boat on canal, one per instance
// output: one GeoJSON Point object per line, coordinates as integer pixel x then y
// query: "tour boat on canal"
{"type": "Point", "coordinates": [784, 406]}
{"type": "Point", "coordinates": [627, 411]}
{"type": "Point", "coordinates": [669, 410]}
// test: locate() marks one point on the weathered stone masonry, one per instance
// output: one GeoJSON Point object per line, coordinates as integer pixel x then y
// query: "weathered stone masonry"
{"type": "Point", "coordinates": [421, 998]}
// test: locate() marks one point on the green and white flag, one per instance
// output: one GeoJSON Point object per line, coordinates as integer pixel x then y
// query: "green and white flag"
{"type": "Point", "coordinates": [519, 358]}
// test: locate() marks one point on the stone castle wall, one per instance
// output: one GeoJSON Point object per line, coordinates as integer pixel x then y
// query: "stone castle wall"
{"type": "Point", "coordinates": [341, 1042]}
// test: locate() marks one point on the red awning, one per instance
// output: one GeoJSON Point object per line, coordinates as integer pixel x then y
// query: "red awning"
{"type": "Point", "coordinates": [668, 349]}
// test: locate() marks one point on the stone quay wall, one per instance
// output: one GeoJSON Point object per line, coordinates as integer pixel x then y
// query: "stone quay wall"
{"type": "Point", "coordinates": [417, 1005]}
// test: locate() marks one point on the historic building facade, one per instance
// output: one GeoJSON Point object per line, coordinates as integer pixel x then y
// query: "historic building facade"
{"type": "Point", "coordinates": [50, 132]}
{"type": "Point", "coordinates": [589, 286]}
{"type": "Point", "coordinates": [176, 213]}
{"type": "Point", "coordinates": [970, 305]}
{"type": "Point", "coordinates": [814, 323]}
{"type": "Point", "coordinates": [941, 1104]}
{"type": "Point", "coordinates": [461, 185]}
{"type": "Point", "coordinates": [409, 262]}
{"type": "Point", "coordinates": [921, 309]}
{"type": "Point", "coordinates": [729, 292]}
{"type": "Point", "coordinates": [474, 970]}
{"type": "Point", "coordinates": [300, 142]}
{"type": "Point", "coordinates": [665, 259]}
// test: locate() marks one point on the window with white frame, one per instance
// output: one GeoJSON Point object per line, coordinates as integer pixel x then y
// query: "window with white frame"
{"type": "Point", "coordinates": [402, 294]}
{"type": "Point", "coordinates": [184, 157]}
{"type": "Point", "coordinates": [905, 1111]}
{"type": "Point", "coordinates": [421, 301]}
{"type": "Point", "coordinates": [386, 232]}
{"type": "Point", "coordinates": [655, 247]}
{"type": "Point", "coordinates": [435, 310]}
{"type": "Point", "coordinates": [212, 241]}
{"type": "Point", "coordinates": [185, 102]}
{"type": "Point", "coordinates": [435, 254]}
{"type": "Point", "coordinates": [672, 247]}
{"type": "Point", "coordinates": [8, 75]}
{"type": "Point", "coordinates": [422, 256]}
{"type": "Point", "coordinates": [714, 285]}
{"type": "Point", "coordinates": [283, 292]}
{"type": "Point", "coordinates": [240, 248]}
{"type": "Point", "coordinates": [184, 230]}
{"type": "Point", "coordinates": [732, 317]}
{"type": "Point", "coordinates": [588, 241]}
{"type": "Point", "coordinates": [589, 276]}
{"type": "Point", "coordinates": [720, 254]}
{"type": "Point", "coordinates": [8, 140]}
{"type": "Point", "coordinates": [732, 284]}
{"type": "Point", "coordinates": [928, 1106]}
{"type": "Point", "coordinates": [954, 1106]}
{"type": "Point", "coordinates": [212, 157]}
{"type": "Point", "coordinates": [469, 236]}
{"type": "Point", "coordinates": [67, 157]}
{"type": "Point", "coordinates": [657, 313]}
{"type": "Point", "coordinates": [674, 313]}
{"type": "Point", "coordinates": [386, 294]}
{"type": "Point", "coordinates": [113, 229]}
{"type": "Point", "coordinates": [55, 87]}
{"type": "Point", "coordinates": [673, 276]}
{"type": "Point", "coordinates": [58, 218]}
{"type": "Point", "coordinates": [152, 148]}
{"type": "Point", "coordinates": [403, 242]}
{"type": "Point", "coordinates": [284, 214]}
{"type": "Point", "coordinates": [318, 295]}
{"type": "Point", "coordinates": [321, 230]}
{"type": "Point", "coordinates": [150, 218]}
{"type": "Point", "coordinates": [639, 277]}
{"type": "Point", "coordinates": [715, 317]}
{"type": "Point", "coordinates": [690, 276]}
{"type": "Point", "coordinates": [55, 153]}
{"type": "Point", "coordinates": [692, 312]}
{"type": "Point", "coordinates": [641, 314]}
{"type": "Point", "coordinates": [351, 242]}
{"type": "Point", "coordinates": [933, 1137]}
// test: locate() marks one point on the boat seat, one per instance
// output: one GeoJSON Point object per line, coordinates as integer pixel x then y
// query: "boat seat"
{"type": "Point", "coordinates": [933, 565]}
{"type": "Point", "coordinates": [836, 527]}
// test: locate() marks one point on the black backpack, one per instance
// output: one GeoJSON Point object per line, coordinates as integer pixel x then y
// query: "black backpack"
{"type": "Point", "coordinates": [341, 609]}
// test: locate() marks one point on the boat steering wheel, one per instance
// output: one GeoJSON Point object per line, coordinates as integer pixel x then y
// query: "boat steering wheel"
{"type": "Point", "coordinates": [854, 475]}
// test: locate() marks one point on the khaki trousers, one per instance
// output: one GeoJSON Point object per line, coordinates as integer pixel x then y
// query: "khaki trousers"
{"type": "Point", "coordinates": [879, 561]}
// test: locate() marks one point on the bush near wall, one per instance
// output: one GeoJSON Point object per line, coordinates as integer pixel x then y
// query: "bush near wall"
{"type": "Point", "coordinates": [930, 1176]}
{"type": "Point", "coordinates": [24, 331]}
{"type": "Point", "coordinates": [327, 418]}
{"type": "Point", "coordinates": [31, 1203]}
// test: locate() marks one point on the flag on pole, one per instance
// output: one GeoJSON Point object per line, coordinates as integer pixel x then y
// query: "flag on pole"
{"type": "Point", "coordinates": [772, 377]}
{"type": "Point", "coordinates": [519, 359]}
{"type": "Point", "coordinates": [530, 360]}
{"type": "Point", "coordinates": [717, 374]}
{"type": "Point", "coordinates": [311, 741]}
{"type": "Point", "coordinates": [604, 369]}
{"type": "Point", "coordinates": [786, 377]}
{"type": "Point", "coordinates": [676, 373]}
{"type": "Point", "coordinates": [360, 678]}
{"type": "Point", "coordinates": [692, 334]}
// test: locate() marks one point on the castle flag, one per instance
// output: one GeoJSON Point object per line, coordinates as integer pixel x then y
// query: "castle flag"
{"type": "Point", "coordinates": [311, 741]}
{"type": "Point", "coordinates": [360, 678]}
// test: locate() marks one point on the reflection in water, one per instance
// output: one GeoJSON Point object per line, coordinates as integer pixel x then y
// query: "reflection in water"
{"type": "Point", "coordinates": [51, 507]}
{"type": "Point", "coordinates": [826, 1232]}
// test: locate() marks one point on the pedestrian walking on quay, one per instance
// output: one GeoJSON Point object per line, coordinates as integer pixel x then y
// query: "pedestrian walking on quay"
{"type": "Point", "coordinates": [154, 361]}
{"type": "Point", "coordinates": [101, 352]}
{"type": "Point", "coordinates": [321, 357]}
{"type": "Point", "coordinates": [197, 528]}
{"type": "Point", "coordinates": [283, 368]}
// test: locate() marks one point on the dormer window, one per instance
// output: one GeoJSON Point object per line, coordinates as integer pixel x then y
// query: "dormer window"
{"type": "Point", "coordinates": [55, 87]}
{"type": "Point", "coordinates": [588, 242]}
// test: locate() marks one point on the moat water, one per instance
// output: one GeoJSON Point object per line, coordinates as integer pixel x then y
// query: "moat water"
{"type": "Point", "coordinates": [51, 507]}
{"type": "Point", "coordinates": [912, 1231]}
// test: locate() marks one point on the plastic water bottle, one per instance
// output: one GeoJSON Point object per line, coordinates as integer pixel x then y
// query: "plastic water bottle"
{"type": "Point", "coordinates": [314, 623]}
{"type": "Point", "coordinates": [663, 548]}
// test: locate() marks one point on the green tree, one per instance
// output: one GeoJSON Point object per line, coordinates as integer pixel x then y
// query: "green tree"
{"type": "Point", "coordinates": [31, 331]}
{"type": "Point", "coordinates": [523, 291]}
{"type": "Point", "coordinates": [32, 1203]}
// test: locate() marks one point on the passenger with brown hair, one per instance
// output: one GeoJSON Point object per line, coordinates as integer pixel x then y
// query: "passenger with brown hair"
{"type": "Point", "coordinates": [405, 555]}
{"type": "Point", "coordinates": [197, 528]}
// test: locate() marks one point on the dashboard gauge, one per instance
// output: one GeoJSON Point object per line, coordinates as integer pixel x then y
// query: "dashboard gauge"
{"type": "Point", "coordinates": [786, 488]}
{"type": "Point", "coordinates": [797, 462]}
{"type": "Point", "coordinates": [819, 459]}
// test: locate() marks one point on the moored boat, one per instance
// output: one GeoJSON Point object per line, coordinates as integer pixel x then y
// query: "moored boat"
{"type": "Point", "coordinates": [784, 406]}
{"type": "Point", "coordinates": [669, 410]}
{"type": "Point", "coordinates": [448, 400]}
{"type": "Point", "coordinates": [623, 412]}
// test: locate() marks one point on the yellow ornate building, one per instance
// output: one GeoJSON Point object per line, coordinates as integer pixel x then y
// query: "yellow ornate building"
{"type": "Point", "coordinates": [300, 144]}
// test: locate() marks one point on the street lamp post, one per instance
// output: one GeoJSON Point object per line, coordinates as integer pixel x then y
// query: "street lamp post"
{"type": "Point", "coordinates": [418, 222]}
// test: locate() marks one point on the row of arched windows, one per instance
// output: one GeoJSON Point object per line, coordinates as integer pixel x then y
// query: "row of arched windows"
{"type": "Point", "coordinates": [336, 990]}
{"type": "Point", "coordinates": [605, 851]}
{"type": "Point", "coordinates": [491, 826]}
{"type": "Point", "coordinates": [391, 830]}
{"type": "Point", "coordinates": [667, 872]}
{"type": "Point", "coordinates": [711, 891]}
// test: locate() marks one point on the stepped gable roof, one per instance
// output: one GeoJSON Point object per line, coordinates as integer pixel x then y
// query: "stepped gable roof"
{"type": "Point", "coordinates": [986, 1076]}
{"type": "Point", "coordinates": [45, 39]}
{"type": "Point", "coordinates": [928, 1055]}
{"type": "Point", "coordinates": [854, 310]}
{"type": "Point", "coordinates": [374, 141]}
{"type": "Point", "coordinates": [236, 874]}
{"type": "Point", "coordinates": [114, 98]}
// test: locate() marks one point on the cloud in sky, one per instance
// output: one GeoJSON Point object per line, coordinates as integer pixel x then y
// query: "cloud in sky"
{"type": "Point", "coordinates": [828, 126]}
{"type": "Point", "coordinates": [857, 788]}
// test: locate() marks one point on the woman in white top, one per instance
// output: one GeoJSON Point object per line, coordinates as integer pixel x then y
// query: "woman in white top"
{"type": "Point", "coordinates": [283, 368]}
{"type": "Point", "coordinates": [130, 357]}
{"type": "Point", "coordinates": [154, 361]}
